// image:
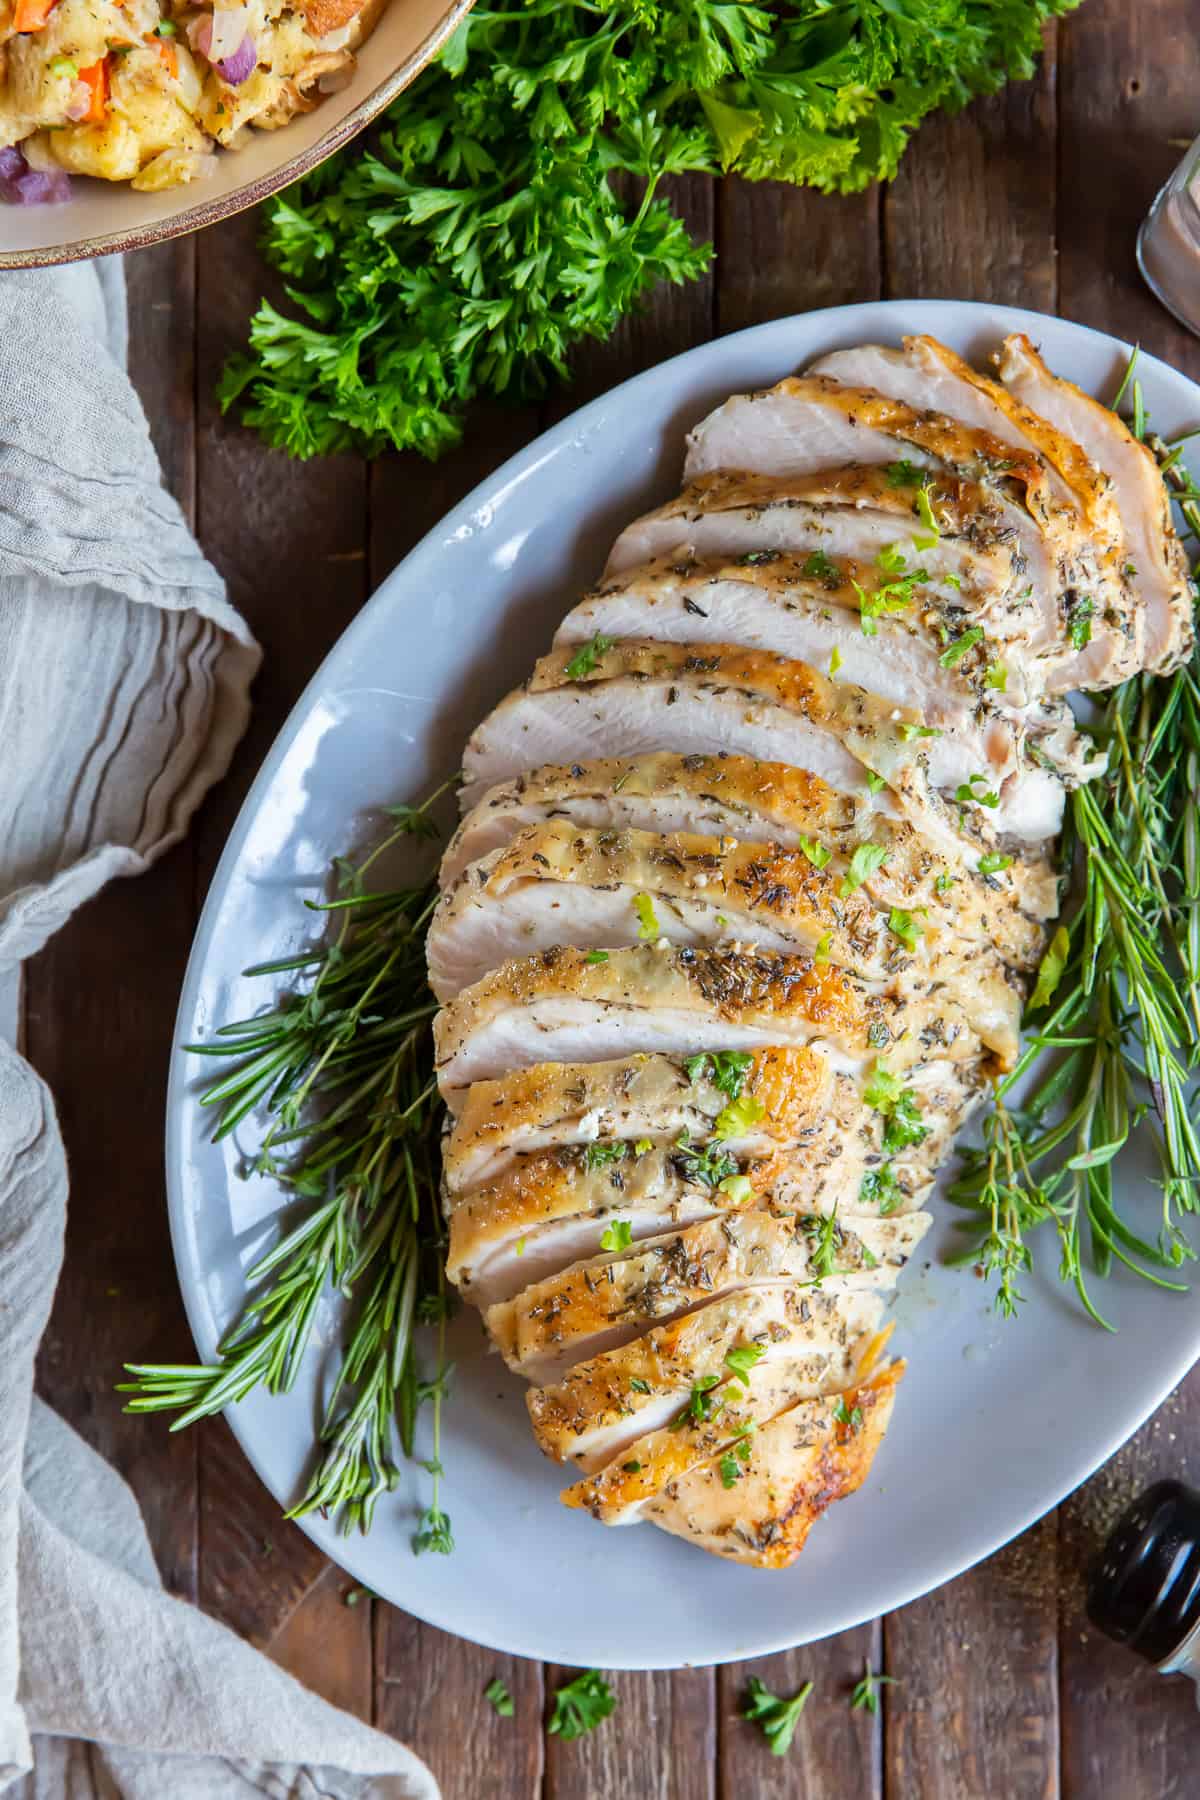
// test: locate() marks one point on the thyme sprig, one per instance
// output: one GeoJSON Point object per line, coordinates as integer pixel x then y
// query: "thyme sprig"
{"type": "Point", "coordinates": [342, 1069]}
{"type": "Point", "coordinates": [1114, 1023]}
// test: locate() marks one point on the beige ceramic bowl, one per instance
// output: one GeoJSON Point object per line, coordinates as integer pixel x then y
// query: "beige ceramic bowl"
{"type": "Point", "coordinates": [104, 216]}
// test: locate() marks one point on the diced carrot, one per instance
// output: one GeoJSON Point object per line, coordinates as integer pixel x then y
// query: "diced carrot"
{"type": "Point", "coordinates": [170, 56]}
{"type": "Point", "coordinates": [31, 15]}
{"type": "Point", "coordinates": [96, 79]}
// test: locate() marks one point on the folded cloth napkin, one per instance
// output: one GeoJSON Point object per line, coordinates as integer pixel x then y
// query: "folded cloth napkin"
{"type": "Point", "coordinates": [124, 677]}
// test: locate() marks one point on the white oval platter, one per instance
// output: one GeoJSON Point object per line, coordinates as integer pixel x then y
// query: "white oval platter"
{"type": "Point", "coordinates": [995, 1422]}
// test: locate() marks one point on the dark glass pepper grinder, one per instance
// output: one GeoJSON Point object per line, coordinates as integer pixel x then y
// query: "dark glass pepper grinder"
{"type": "Point", "coordinates": [1145, 1587]}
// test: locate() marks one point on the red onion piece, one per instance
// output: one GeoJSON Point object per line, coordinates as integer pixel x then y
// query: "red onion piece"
{"type": "Point", "coordinates": [238, 67]}
{"type": "Point", "coordinates": [22, 186]}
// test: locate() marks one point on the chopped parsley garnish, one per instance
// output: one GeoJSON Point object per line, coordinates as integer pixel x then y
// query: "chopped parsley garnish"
{"type": "Point", "coordinates": [1079, 621]}
{"type": "Point", "coordinates": [824, 1241]}
{"type": "Point", "coordinates": [903, 474]}
{"type": "Point", "coordinates": [700, 1405]}
{"type": "Point", "coordinates": [501, 1699]}
{"type": "Point", "coordinates": [726, 1069]}
{"type": "Point", "coordinates": [642, 1146]}
{"type": "Point", "coordinates": [969, 793]}
{"type": "Point", "coordinates": [888, 597]}
{"type": "Point", "coordinates": [818, 567]}
{"type": "Point", "coordinates": [581, 1705]}
{"type": "Point", "coordinates": [876, 783]}
{"type": "Point", "coordinates": [902, 925]}
{"type": "Point", "coordinates": [925, 513]}
{"type": "Point", "coordinates": [866, 1694]}
{"type": "Point", "coordinates": [996, 677]}
{"type": "Point", "coordinates": [741, 1360]}
{"type": "Point", "coordinates": [599, 1156]}
{"type": "Point", "coordinates": [618, 1236]}
{"type": "Point", "coordinates": [754, 559]}
{"type": "Point", "coordinates": [596, 956]}
{"type": "Point", "coordinates": [821, 953]}
{"type": "Point", "coordinates": [954, 652]}
{"type": "Point", "coordinates": [816, 853]}
{"type": "Point", "coordinates": [908, 732]}
{"type": "Point", "coordinates": [631, 1468]}
{"type": "Point", "coordinates": [945, 881]}
{"type": "Point", "coordinates": [848, 1417]}
{"type": "Point", "coordinates": [738, 1188]}
{"type": "Point", "coordinates": [707, 1164]}
{"type": "Point", "coordinates": [648, 926]}
{"type": "Point", "coordinates": [638, 1385]}
{"type": "Point", "coordinates": [892, 560]}
{"type": "Point", "coordinates": [863, 864]}
{"type": "Point", "coordinates": [777, 1719]}
{"type": "Point", "coordinates": [835, 660]}
{"type": "Point", "coordinates": [739, 1451]}
{"type": "Point", "coordinates": [993, 862]}
{"type": "Point", "coordinates": [586, 659]}
{"type": "Point", "coordinates": [880, 1188]}
{"type": "Point", "coordinates": [887, 1094]}
{"type": "Point", "coordinates": [736, 1119]}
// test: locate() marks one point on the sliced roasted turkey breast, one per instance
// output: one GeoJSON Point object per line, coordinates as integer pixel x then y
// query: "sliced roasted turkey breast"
{"type": "Point", "coordinates": [635, 1098]}
{"type": "Point", "coordinates": [726, 516]}
{"type": "Point", "coordinates": [1157, 568]}
{"type": "Point", "coordinates": [597, 1305]}
{"type": "Point", "coordinates": [797, 1336]}
{"type": "Point", "coordinates": [925, 373]}
{"type": "Point", "coordinates": [740, 797]}
{"type": "Point", "coordinates": [639, 696]}
{"type": "Point", "coordinates": [770, 601]}
{"type": "Point", "coordinates": [567, 1005]}
{"type": "Point", "coordinates": [757, 1502]}
{"type": "Point", "coordinates": [556, 884]}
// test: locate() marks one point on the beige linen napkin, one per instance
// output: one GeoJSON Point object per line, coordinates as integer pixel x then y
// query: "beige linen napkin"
{"type": "Point", "coordinates": [124, 678]}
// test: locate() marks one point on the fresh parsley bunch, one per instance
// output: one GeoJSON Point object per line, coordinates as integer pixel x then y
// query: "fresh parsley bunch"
{"type": "Point", "coordinates": [507, 206]}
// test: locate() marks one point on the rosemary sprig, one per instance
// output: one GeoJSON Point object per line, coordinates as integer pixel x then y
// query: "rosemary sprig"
{"type": "Point", "coordinates": [1114, 1035]}
{"type": "Point", "coordinates": [342, 1069]}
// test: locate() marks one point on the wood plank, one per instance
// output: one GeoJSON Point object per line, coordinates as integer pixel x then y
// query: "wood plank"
{"type": "Point", "coordinates": [1127, 106]}
{"type": "Point", "coordinates": [1126, 1730]}
{"type": "Point", "coordinates": [659, 1744]}
{"type": "Point", "coordinates": [161, 287]}
{"type": "Point", "coordinates": [785, 250]}
{"type": "Point", "coordinates": [99, 1029]}
{"type": "Point", "coordinates": [328, 1643]}
{"type": "Point", "coordinates": [429, 1693]}
{"type": "Point", "coordinates": [288, 537]}
{"type": "Point", "coordinates": [835, 1750]}
{"type": "Point", "coordinates": [975, 1711]}
{"type": "Point", "coordinates": [971, 213]}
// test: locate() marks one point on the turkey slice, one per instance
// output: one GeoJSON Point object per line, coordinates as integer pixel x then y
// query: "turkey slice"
{"type": "Point", "coordinates": [558, 1105]}
{"type": "Point", "coordinates": [561, 1006]}
{"type": "Point", "coordinates": [758, 1506]}
{"type": "Point", "coordinates": [771, 602]}
{"type": "Point", "coordinates": [926, 373]}
{"type": "Point", "coordinates": [736, 796]}
{"type": "Point", "coordinates": [810, 422]}
{"type": "Point", "coordinates": [600, 1406]}
{"type": "Point", "coordinates": [595, 1306]}
{"type": "Point", "coordinates": [1157, 567]}
{"type": "Point", "coordinates": [634, 697]}
{"type": "Point", "coordinates": [556, 884]}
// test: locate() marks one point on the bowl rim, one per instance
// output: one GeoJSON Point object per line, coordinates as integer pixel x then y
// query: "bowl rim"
{"type": "Point", "coordinates": [209, 212]}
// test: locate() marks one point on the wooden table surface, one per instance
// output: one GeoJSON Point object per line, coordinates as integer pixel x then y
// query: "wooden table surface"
{"type": "Point", "coordinates": [1032, 199]}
